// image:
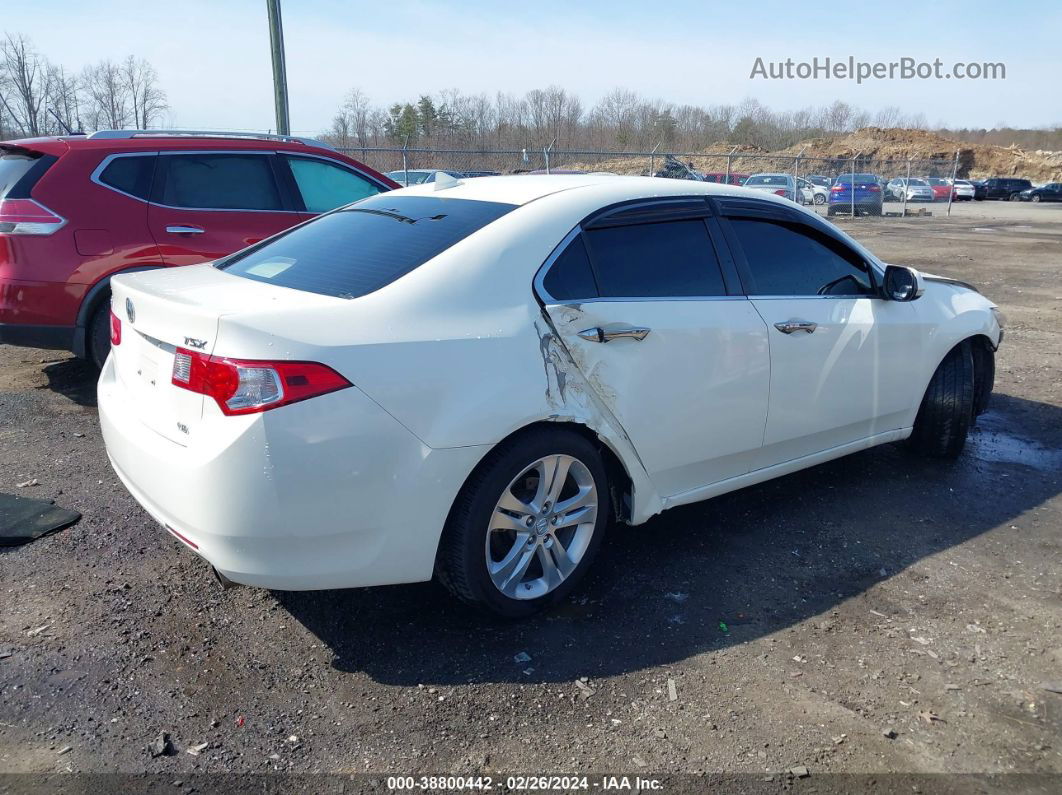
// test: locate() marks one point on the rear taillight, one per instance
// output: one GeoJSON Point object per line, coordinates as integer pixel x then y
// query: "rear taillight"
{"type": "Point", "coordinates": [836, 189]}
{"type": "Point", "coordinates": [874, 188]}
{"type": "Point", "coordinates": [248, 387]}
{"type": "Point", "coordinates": [781, 193]}
{"type": "Point", "coordinates": [116, 329]}
{"type": "Point", "coordinates": [27, 217]}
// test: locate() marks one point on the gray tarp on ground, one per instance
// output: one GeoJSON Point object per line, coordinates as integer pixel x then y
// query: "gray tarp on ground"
{"type": "Point", "coordinates": [23, 519]}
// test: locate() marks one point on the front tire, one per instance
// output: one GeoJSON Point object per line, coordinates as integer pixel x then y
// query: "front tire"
{"type": "Point", "coordinates": [820, 199]}
{"type": "Point", "coordinates": [1035, 197]}
{"type": "Point", "coordinates": [527, 524]}
{"type": "Point", "coordinates": [947, 409]}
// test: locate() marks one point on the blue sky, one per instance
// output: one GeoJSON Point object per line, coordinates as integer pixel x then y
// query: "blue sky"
{"type": "Point", "coordinates": [213, 57]}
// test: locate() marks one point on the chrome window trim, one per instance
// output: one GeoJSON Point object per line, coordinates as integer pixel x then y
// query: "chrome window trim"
{"type": "Point", "coordinates": [548, 300]}
{"type": "Point", "coordinates": [98, 171]}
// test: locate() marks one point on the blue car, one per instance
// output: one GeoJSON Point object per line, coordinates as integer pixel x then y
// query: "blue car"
{"type": "Point", "coordinates": [868, 195]}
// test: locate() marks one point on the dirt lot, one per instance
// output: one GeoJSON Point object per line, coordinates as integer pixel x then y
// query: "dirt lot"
{"type": "Point", "coordinates": [872, 615]}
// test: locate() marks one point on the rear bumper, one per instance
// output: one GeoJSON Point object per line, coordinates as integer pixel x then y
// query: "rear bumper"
{"type": "Point", "coordinates": [327, 493]}
{"type": "Point", "coordinates": [29, 335]}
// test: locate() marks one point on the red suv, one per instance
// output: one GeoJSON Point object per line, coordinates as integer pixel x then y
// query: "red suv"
{"type": "Point", "coordinates": [76, 210]}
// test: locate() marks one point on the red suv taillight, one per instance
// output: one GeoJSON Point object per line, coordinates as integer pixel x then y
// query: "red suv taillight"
{"type": "Point", "coordinates": [27, 217]}
{"type": "Point", "coordinates": [116, 329]}
{"type": "Point", "coordinates": [248, 387]}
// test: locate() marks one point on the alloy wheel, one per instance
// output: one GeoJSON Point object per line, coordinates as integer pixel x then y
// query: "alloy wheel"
{"type": "Point", "coordinates": [541, 527]}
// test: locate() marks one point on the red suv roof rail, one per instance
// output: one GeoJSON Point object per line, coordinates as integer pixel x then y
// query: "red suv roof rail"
{"type": "Point", "coordinates": [126, 134]}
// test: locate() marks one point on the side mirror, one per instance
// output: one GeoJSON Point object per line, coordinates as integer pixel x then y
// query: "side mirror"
{"type": "Point", "coordinates": [902, 283]}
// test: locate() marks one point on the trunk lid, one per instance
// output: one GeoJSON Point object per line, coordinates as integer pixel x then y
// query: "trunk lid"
{"type": "Point", "coordinates": [166, 309]}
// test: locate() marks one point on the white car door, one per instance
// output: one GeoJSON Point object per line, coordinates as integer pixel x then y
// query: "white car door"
{"type": "Point", "coordinates": [640, 300]}
{"type": "Point", "coordinates": [840, 354]}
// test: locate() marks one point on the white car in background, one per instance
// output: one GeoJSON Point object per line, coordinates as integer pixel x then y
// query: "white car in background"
{"type": "Point", "coordinates": [964, 190]}
{"type": "Point", "coordinates": [820, 194]}
{"type": "Point", "coordinates": [471, 380]}
{"type": "Point", "coordinates": [784, 185]}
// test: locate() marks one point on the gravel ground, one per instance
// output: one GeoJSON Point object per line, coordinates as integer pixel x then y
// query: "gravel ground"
{"type": "Point", "coordinates": [877, 614]}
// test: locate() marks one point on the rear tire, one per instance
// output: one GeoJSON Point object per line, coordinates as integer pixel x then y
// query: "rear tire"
{"type": "Point", "coordinates": [98, 342]}
{"type": "Point", "coordinates": [1035, 197]}
{"type": "Point", "coordinates": [947, 409]}
{"type": "Point", "coordinates": [486, 527]}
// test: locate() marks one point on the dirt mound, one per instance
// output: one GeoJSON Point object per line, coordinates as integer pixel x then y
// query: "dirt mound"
{"type": "Point", "coordinates": [882, 150]}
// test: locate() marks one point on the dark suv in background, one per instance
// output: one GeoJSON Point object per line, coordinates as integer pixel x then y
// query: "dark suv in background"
{"type": "Point", "coordinates": [1006, 188]}
{"type": "Point", "coordinates": [77, 209]}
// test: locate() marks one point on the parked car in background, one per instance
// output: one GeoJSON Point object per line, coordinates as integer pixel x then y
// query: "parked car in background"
{"type": "Point", "coordinates": [915, 189]}
{"type": "Point", "coordinates": [500, 350]}
{"type": "Point", "coordinates": [979, 189]}
{"type": "Point", "coordinates": [965, 191]}
{"type": "Point", "coordinates": [818, 179]}
{"type": "Point", "coordinates": [1006, 188]}
{"type": "Point", "coordinates": [1051, 192]}
{"type": "Point", "coordinates": [724, 178]}
{"type": "Point", "coordinates": [472, 174]}
{"type": "Point", "coordinates": [784, 185]}
{"type": "Point", "coordinates": [862, 192]}
{"type": "Point", "coordinates": [819, 193]}
{"type": "Point", "coordinates": [942, 189]}
{"type": "Point", "coordinates": [77, 209]}
{"type": "Point", "coordinates": [417, 176]}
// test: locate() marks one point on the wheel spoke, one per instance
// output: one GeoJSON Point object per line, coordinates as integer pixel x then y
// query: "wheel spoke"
{"type": "Point", "coordinates": [502, 569]}
{"type": "Point", "coordinates": [585, 495]}
{"type": "Point", "coordinates": [505, 521]}
{"type": "Point", "coordinates": [588, 513]}
{"type": "Point", "coordinates": [547, 469]}
{"type": "Point", "coordinates": [517, 569]}
{"type": "Point", "coordinates": [509, 502]}
{"type": "Point", "coordinates": [556, 565]}
{"type": "Point", "coordinates": [560, 477]}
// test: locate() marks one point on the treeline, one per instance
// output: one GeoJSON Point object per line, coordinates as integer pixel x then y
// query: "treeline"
{"type": "Point", "coordinates": [39, 97]}
{"type": "Point", "coordinates": [620, 120]}
{"type": "Point", "coordinates": [1048, 139]}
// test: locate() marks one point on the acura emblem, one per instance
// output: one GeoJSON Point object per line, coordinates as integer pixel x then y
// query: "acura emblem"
{"type": "Point", "coordinates": [129, 311]}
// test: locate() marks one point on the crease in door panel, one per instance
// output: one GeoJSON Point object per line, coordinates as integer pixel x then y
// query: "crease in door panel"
{"type": "Point", "coordinates": [770, 372]}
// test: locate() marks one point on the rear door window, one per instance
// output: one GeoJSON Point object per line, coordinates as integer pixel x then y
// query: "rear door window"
{"type": "Point", "coordinates": [655, 260]}
{"type": "Point", "coordinates": [325, 186]}
{"type": "Point", "coordinates": [359, 249]}
{"type": "Point", "coordinates": [570, 277]}
{"type": "Point", "coordinates": [219, 181]}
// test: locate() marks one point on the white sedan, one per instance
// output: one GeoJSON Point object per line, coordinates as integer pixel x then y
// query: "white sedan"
{"type": "Point", "coordinates": [470, 380]}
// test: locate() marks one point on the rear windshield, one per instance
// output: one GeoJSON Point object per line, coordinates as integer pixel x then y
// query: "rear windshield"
{"type": "Point", "coordinates": [767, 179]}
{"type": "Point", "coordinates": [365, 246]}
{"type": "Point", "coordinates": [846, 179]}
{"type": "Point", "coordinates": [13, 166]}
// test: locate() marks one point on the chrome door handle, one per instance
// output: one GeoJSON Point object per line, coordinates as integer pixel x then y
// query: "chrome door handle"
{"type": "Point", "coordinates": [789, 326]}
{"type": "Point", "coordinates": [184, 230]}
{"type": "Point", "coordinates": [598, 334]}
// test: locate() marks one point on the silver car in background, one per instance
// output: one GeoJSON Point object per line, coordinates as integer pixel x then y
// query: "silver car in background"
{"type": "Point", "coordinates": [782, 185]}
{"type": "Point", "coordinates": [917, 190]}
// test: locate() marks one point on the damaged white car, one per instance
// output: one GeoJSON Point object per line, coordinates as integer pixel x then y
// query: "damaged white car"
{"type": "Point", "coordinates": [472, 379]}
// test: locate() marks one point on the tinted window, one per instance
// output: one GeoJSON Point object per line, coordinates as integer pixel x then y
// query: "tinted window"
{"type": "Point", "coordinates": [325, 186]}
{"type": "Point", "coordinates": [220, 181]}
{"type": "Point", "coordinates": [359, 249]}
{"type": "Point", "coordinates": [674, 258]}
{"type": "Point", "coordinates": [13, 167]}
{"type": "Point", "coordinates": [130, 174]}
{"type": "Point", "coordinates": [570, 276]}
{"type": "Point", "coordinates": [789, 259]}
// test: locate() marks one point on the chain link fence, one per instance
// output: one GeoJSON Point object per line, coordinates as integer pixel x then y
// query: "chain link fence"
{"type": "Point", "coordinates": [902, 188]}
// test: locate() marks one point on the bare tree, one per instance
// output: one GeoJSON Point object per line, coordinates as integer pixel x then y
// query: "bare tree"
{"type": "Point", "coordinates": [146, 99]}
{"type": "Point", "coordinates": [107, 95]}
{"type": "Point", "coordinates": [63, 101]}
{"type": "Point", "coordinates": [23, 84]}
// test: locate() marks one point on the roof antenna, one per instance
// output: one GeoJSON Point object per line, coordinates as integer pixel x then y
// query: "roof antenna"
{"type": "Point", "coordinates": [444, 181]}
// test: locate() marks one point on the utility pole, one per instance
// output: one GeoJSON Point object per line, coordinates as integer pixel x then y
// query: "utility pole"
{"type": "Point", "coordinates": [280, 71]}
